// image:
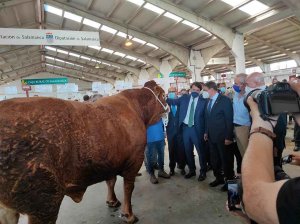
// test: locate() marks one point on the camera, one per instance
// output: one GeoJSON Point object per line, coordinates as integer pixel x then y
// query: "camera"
{"type": "Point", "coordinates": [276, 99]}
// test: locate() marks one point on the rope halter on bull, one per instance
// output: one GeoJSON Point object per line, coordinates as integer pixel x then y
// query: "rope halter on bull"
{"type": "Point", "coordinates": [164, 106]}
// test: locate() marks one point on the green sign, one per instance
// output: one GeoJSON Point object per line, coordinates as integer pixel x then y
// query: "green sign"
{"type": "Point", "coordinates": [173, 74]}
{"type": "Point", "coordinates": [177, 74]}
{"type": "Point", "coordinates": [48, 81]}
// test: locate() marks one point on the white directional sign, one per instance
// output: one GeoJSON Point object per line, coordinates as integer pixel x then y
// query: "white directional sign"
{"type": "Point", "coordinates": [219, 61]}
{"type": "Point", "coordinates": [12, 36]}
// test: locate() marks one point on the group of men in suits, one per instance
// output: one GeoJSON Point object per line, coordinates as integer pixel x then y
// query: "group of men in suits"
{"type": "Point", "coordinates": [206, 116]}
{"type": "Point", "coordinates": [202, 116]}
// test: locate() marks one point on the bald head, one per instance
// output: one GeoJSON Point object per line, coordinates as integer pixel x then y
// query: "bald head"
{"type": "Point", "coordinates": [255, 79]}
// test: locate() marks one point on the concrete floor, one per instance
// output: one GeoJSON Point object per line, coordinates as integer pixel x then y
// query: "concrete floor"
{"type": "Point", "coordinates": [173, 201]}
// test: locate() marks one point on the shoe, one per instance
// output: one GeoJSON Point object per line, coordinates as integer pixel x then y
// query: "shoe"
{"type": "Point", "coordinates": [216, 183]}
{"type": "Point", "coordinates": [139, 174]}
{"type": "Point", "coordinates": [153, 179]}
{"type": "Point", "coordinates": [224, 188]}
{"type": "Point", "coordinates": [172, 172]}
{"type": "Point", "coordinates": [182, 172]}
{"type": "Point", "coordinates": [297, 148]}
{"type": "Point", "coordinates": [189, 175]}
{"type": "Point", "coordinates": [163, 174]}
{"type": "Point", "coordinates": [202, 177]}
{"type": "Point", "coordinates": [209, 167]}
{"type": "Point", "coordinates": [280, 174]}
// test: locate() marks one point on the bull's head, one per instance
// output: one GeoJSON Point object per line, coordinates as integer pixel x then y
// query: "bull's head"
{"type": "Point", "coordinates": [158, 101]}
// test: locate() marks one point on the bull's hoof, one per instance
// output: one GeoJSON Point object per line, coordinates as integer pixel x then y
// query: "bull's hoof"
{"type": "Point", "coordinates": [113, 204]}
{"type": "Point", "coordinates": [129, 220]}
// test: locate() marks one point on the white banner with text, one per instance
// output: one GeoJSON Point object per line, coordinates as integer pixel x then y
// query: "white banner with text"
{"type": "Point", "coordinates": [13, 36]}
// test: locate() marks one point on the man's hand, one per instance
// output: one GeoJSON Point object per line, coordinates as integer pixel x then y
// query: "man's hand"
{"type": "Point", "coordinates": [296, 159]}
{"type": "Point", "coordinates": [228, 142]}
{"type": "Point", "coordinates": [206, 137]}
{"type": "Point", "coordinates": [257, 121]}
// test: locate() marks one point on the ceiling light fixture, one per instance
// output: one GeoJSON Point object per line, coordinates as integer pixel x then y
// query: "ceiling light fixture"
{"type": "Point", "coordinates": [97, 66]}
{"type": "Point", "coordinates": [128, 42]}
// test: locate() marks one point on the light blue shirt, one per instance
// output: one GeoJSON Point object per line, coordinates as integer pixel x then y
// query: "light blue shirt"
{"type": "Point", "coordinates": [186, 119]}
{"type": "Point", "coordinates": [241, 115]}
{"type": "Point", "coordinates": [214, 98]}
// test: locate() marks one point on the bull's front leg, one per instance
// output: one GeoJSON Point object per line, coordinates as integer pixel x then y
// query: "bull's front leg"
{"type": "Point", "coordinates": [112, 200]}
{"type": "Point", "coordinates": [127, 213]}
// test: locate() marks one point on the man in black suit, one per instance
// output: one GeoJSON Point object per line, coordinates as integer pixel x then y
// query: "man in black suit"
{"type": "Point", "coordinates": [219, 132]}
{"type": "Point", "coordinates": [191, 120]}
{"type": "Point", "coordinates": [174, 136]}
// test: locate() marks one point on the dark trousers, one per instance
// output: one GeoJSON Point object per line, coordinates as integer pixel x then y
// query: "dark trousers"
{"type": "Point", "coordinates": [191, 139]}
{"type": "Point", "coordinates": [297, 135]}
{"type": "Point", "coordinates": [176, 151]}
{"type": "Point", "coordinates": [207, 153]}
{"type": "Point", "coordinates": [238, 157]}
{"type": "Point", "coordinates": [222, 158]}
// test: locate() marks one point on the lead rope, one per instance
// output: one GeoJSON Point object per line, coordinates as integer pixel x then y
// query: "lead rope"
{"type": "Point", "coordinates": [164, 106]}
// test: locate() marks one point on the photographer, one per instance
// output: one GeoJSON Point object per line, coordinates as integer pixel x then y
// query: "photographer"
{"type": "Point", "coordinates": [256, 81]}
{"type": "Point", "coordinates": [265, 200]}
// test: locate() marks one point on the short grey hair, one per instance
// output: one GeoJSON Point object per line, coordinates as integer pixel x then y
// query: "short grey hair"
{"type": "Point", "coordinates": [242, 77]}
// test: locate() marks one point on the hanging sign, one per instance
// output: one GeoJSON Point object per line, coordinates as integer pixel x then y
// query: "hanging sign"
{"type": "Point", "coordinates": [219, 61]}
{"type": "Point", "coordinates": [177, 74]}
{"type": "Point", "coordinates": [12, 36]}
{"type": "Point", "coordinates": [48, 81]}
{"type": "Point", "coordinates": [173, 74]}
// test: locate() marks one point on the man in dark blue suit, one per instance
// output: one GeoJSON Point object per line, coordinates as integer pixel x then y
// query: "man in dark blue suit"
{"type": "Point", "coordinates": [174, 136]}
{"type": "Point", "coordinates": [219, 132]}
{"type": "Point", "coordinates": [191, 120]}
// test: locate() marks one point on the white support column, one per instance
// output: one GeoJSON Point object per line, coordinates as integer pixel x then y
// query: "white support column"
{"type": "Point", "coordinates": [165, 69]}
{"type": "Point", "coordinates": [174, 62]}
{"type": "Point", "coordinates": [199, 59]}
{"type": "Point", "coordinates": [152, 72]}
{"type": "Point", "coordinates": [196, 65]}
{"type": "Point", "coordinates": [129, 78]}
{"type": "Point", "coordinates": [144, 75]}
{"type": "Point", "coordinates": [238, 51]}
{"type": "Point", "coordinates": [267, 68]}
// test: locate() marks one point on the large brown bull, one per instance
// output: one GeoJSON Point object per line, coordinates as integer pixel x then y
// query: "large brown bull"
{"type": "Point", "coordinates": [50, 148]}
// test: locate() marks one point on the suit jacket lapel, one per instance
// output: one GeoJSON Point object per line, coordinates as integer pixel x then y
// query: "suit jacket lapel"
{"type": "Point", "coordinates": [198, 104]}
{"type": "Point", "coordinates": [216, 102]}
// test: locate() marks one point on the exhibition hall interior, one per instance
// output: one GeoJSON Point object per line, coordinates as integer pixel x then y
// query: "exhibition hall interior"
{"type": "Point", "coordinates": [148, 111]}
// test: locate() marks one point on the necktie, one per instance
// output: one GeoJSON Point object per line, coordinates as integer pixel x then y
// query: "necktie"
{"type": "Point", "coordinates": [209, 105]}
{"type": "Point", "coordinates": [173, 109]}
{"type": "Point", "coordinates": [191, 115]}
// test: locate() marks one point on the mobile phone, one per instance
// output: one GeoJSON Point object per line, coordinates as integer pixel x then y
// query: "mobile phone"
{"type": "Point", "coordinates": [234, 198]}
{"type": "Point", "coordinates": [286, 159]}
